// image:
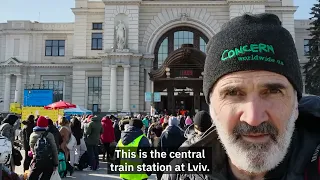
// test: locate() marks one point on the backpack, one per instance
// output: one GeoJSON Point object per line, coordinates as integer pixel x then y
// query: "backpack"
{"type": "Point", "coordinates": [62, 167]}
{"type": "Point", "coordinates": [43, 151]}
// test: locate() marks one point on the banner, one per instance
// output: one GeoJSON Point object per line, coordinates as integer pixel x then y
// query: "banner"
{"type": "Point", "coordinates": [52, 114]}
{"type": "Point", "coordinates": [37, 97]}
{"type": "Point", "coordinates": [156, 97]}
{"type": "Point", "coordinates": [147, 96]}
{"type": "Point", "coordinates": [15, 108]}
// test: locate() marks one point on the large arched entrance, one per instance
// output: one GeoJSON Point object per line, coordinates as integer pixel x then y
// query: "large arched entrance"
{"type": "Point", "coordinates": [177, 70]}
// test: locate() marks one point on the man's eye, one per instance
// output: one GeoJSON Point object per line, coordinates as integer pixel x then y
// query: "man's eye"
{"type": "Point", "coordinates": [274, 91]}
{"type": "Point", "coordinates": [233, 93]}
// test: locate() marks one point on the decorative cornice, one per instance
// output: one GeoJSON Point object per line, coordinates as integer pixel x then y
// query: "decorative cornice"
{"type": "Point", "coordinates": [247, 1]}
{"type": "Point", "coordinates": [148, 56]}
{"type": "Point", "coordinates": [52, 65]}
{"type": "Point", "coordinates": [88, 11]}
{"type": "Point", "coordinates": [117, 54]}
{"type": "Point", "coordinates": [86, 59]}
{"type": "Point", "coordinates": [122, 2]}
{"type": "Point", "coordinates": [183, 3]}
{"type": "Point", "coordinates": [126, 66]}
{"type": "Point", "coordinates": [282, 8]}
{"type": "Point", "coordinates": [42, 31]}
{"type": "Point", "coordinates": [11, 65]}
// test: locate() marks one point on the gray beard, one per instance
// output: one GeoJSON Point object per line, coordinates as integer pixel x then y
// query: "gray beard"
{"type": "Point", "coordinates": [253, 157]}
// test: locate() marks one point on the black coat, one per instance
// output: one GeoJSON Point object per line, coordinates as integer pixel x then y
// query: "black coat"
{"type": "Point", "coordinates": [304, 146]}
{"type": "Point", "coordinates": [57, 136]}
{"type": "Point", "coordinates": [26, 132]}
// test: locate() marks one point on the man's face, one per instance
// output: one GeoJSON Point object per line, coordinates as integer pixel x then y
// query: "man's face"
{"type": "Point", "coordinates": [254, 113]}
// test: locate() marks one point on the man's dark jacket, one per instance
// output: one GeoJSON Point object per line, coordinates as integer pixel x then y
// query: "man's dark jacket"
{"type": "Point", "coordinates": [304, 147]}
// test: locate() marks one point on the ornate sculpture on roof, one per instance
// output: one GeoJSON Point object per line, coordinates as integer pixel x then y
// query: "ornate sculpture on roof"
{"type": "Point", "coordinates": [121, 35]}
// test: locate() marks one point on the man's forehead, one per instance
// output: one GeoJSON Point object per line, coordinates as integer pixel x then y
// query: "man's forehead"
{"type": "Point", "coordinates": [258, 78]}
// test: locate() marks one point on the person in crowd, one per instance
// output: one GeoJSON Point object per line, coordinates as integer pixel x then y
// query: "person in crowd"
{"type": "Point", "coordinates": [188, 121]}
{"type": "Point", "coordinates": [55, 132]}
{"type": "Point", "coordinates": [157, 131]}
{"type": "Point", "coordinates": [123, 124]}
{"type": "Point", "coordinates": [65, 132]}
{"type": "Point", "coordinates": [107, 137]}
{"type": "Point", "coordinates": [7, 130]}
{"type": "Point", "coordinates": [48, 162]}
{"type": "Point", "coordinates": [133, 137]}
{"type": "Point", "coordinates": [252, 84]}
{"type": "Point", "coordinates": [116, 127]}
{"type": "Point", "coordinates": [170, 140]}
{"type": "Point", "coordinates": [27, 130]}
{"type": "Point", "coordinates": [182, 122]}
{"type": "Point", "coordinates": [78, 134]}
{"type": "Point", "coordinates": [146, 123]}
{"type": "Point", "coordinates": [92, 133]}
{"type": "Point", "coordinates": [202, 122]}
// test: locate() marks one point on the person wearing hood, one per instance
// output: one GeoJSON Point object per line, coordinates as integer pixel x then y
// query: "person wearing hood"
{"type": "Point", "coordinates": [92, 132]}
{"type": "Point", "coordinates": [253, 85]}
{"type": "Point", "coordinates": [7, 128]}
{"type": "Point", "coordinates": [202, 122]}
{"type": "Point", "coordinates": [36, 168]}
{"type": "Point", "coordinates": [27, 130]}
{"type": "Point", "coordinates": [133, 137]}
{"type": "Point", "coordinates": [107, 137]}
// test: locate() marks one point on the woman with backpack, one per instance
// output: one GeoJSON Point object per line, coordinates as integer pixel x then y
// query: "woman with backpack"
{"type": "Point", "coordinates": [44, 151]}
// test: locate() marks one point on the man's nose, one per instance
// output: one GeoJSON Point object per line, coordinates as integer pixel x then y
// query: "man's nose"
{"type": "Point", "coordinates": [254, 112]}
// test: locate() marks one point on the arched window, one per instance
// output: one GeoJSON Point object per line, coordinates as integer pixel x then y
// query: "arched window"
{"type": "Point", "coordinates": [174, 38]}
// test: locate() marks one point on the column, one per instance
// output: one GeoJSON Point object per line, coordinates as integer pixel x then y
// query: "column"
{"type": "Point", "coordinates": [6, 99]}
{"type": "Point", "coordinates": [126, 89]}
{"type": "Point", "coordinates": [147, 105]}
{"type": "Point", "coordinates": [113, 89]}
{"type": "Point", "coordinates": [17, 97]}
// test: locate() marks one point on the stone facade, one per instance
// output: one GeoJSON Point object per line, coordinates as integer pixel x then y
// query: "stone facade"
{"type": "Point", "coordinates": [123, 73]}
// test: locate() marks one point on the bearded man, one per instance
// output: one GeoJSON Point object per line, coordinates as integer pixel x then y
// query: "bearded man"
{"type": "Point", "coordinates": [252, 83]}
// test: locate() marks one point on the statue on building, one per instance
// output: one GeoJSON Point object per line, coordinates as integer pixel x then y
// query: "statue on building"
{"type": "Point", "coordinates": [121, 35]}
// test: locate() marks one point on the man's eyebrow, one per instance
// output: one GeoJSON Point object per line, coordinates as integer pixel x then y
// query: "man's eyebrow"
{"type": "Point", "coordinates": [228, 88]}
{"type": "Point", "coordinates": [274, 86]}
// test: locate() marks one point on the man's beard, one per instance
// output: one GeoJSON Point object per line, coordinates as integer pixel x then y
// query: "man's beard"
{"type": "Point", "coordinates": [256, 157]}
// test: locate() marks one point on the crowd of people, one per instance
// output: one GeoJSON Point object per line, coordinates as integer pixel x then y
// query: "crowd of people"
{"type": "Point", "coordinates": [77, 141]}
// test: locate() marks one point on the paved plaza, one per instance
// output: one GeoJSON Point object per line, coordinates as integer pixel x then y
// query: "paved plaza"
{"type": "Point", "coordinates": [101, 174]}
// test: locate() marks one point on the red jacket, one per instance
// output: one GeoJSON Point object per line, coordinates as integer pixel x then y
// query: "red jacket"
{"type": "Point", "coordinates": [108, 131]}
